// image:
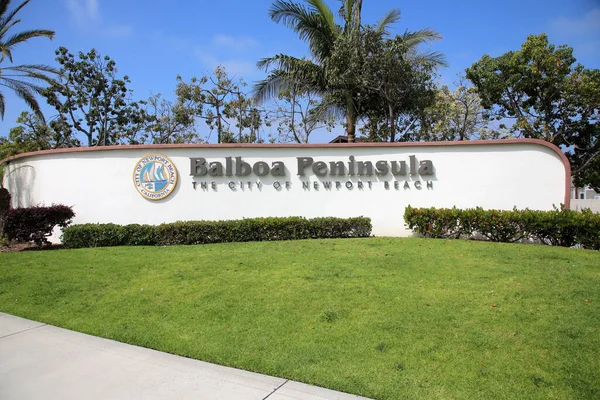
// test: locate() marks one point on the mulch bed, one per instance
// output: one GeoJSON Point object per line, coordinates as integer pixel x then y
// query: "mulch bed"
{"type": "Point", "coordinates": [17, 246]}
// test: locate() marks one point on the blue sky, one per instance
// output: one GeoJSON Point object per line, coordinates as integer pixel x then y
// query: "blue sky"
{"type": "Point", "coordinates": [152, 42]}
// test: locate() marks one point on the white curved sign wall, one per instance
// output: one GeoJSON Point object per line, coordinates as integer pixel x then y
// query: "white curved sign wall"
{"type": "Point", "coordinates": [156, 184]}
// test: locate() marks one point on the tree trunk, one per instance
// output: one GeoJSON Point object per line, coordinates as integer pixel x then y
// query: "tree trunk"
{"type": "Point", "coordinates": [350, 119]}
{"type": "Point", "coordinates": [350, 128]}
{"type": "Point", "coordinates": [219, 127]}
{"type": "Point", "coordinates": [392, 124]}
{"type": "Point", "coordinates": [240, 126]}
{"type": "Point", "coordinates": [372, 129]}
{"type": "Point", "coordinates": [293, 121]}
{"type": "Point", "coordinates": [463, 131]}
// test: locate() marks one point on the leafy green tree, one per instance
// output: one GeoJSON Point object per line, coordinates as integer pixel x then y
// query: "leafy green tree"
{"type": "Point", "coordinates": [24, 79]}
{"type": "Point", "coordinates": [299, 112]}
{"type": "Point", "coordinates": [91, 100]}
{"type": "Point", "coordinates": [456, 115]}
{"type": "Point", "coordinates": [543, 94]}
{"type": "Point", "coordinates": [169, 123]}
{"type": "Point", "coordinates": [208, 103]}
{"type": "Point", "coordinates": [248, 119]}
{"type": "Point", "coordinates": [31, 134]}
{"type": "Point", "coordinates": [316, 24]}
{"type": "Point", "coordinates": [221, 102]}
{"type": "Point", "coordinates": [396, 85]}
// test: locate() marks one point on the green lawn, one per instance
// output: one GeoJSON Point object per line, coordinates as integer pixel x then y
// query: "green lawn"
{"type": "Point", "coordinates": [383, 318]}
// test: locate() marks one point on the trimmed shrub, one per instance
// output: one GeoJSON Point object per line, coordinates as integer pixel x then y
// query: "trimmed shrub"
{"type": "Point", "coordinates": [93, 235]}
{"type": "Point", "coordinates": [588, 229]}
{"type": "Point", "coordinates": [4, 206]}
{"type": "Point", "coordinates": [35, 224]}
{"type": "Point", "coordinates": [495, 225]}
{"type": "Point", "coordinates": [330, 227]}
{"type": "Point", "coordinates": [204, 232]}
{"type": "Point", "coordinates": [189, 232]}
{"type": "Point", "coordinates": [4, 201]}
{"type": "Point", "coordinates": [435, 222]}
{"type": "Point", "coordinates": [559, 227]}
{"type": "Point", "coordinates": [139, 235]}
{"type": "Point", "coordinates": [104, 235]}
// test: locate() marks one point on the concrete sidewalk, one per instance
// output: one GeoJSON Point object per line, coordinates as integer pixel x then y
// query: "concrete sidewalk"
{"type": "Point", "coordinates": [39, 361]}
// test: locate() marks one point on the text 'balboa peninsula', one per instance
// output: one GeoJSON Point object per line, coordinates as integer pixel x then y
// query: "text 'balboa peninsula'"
{"type": "Point", "coordinates": [236, 166]}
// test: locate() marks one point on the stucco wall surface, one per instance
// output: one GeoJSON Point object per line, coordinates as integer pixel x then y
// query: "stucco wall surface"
{"type": "Point", "coordinates": [99, 184]}
{"type": "Point", "coordinates": [592, 204]}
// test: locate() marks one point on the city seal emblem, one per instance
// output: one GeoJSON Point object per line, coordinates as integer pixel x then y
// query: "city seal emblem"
{"type": "Point", "coordinates": [155, 176]}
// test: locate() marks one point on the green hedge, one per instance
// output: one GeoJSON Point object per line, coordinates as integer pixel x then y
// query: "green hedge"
{"type": "Point", "coordinates": [559, 227]}
{"type": "Point", "coordinates": [202, 232]}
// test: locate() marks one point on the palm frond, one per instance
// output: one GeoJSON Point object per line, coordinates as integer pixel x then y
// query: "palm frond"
{"type": "Point", "coordinates": [278, 61]}
{"type": "Point", "coordinates": [415, 38]}
{"type": "Point", "coordinates": [342, 11]}
{"type": "Point", "coordinates": [295, 67]}
{"type": "Point", "coordinates": [26, 92]}
{"type": "Point", "coordinates": [288, 13]}
{"type": "Point", "coordinates": [20, 74]}
{"type": "Point", "coordinates": [287, 70]}
{"type": "Point", "coordinates": [26, 35]}
{"type": "Point", "coordinates": [6, 20]}
{"type": "Point", "coordinates": [269, 87]}
{"type": "Point", "coordinates": [32, 68]}
{"type": "Point", "coordinates": [3, 7]}
{"type": "Point", "coordinates": [326, 109]}
{"type": "Point", "coordinates": [348, 8]}
{"type": "Point", "coordinates": [284, 62]}
{"type": "Point", "coordinates": [265, 63]}
{"type": "Point", "coordinates": [32, 76]}
{"type": "Point", "coordinates": [388, 19]}
{"type": "Point", "coordinates": [6, 27]}
{"type": "Point", "coordinates": [18, 84]}
{"type": "Point", "coordinates": [321, 9]}
{"type": "Point", "coordinates": [11, 77]}
{"type": "Point", "coordinates": [5, 53]}
{"type": "Point", "coordinates": [434, 58]}
{"type": "Point", "coordinates": [309, 25]}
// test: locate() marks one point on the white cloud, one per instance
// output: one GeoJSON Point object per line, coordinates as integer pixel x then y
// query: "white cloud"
{"type": "Point", "coordinates": [222, 50]}
{"type": "Point", "coordinates": [235, 67]}
{"type": "Point", "coordinates": [84, 11]}
{"type": "Point", "coordinates": [86, 15]}
{"type": "Point", "coordinates": [587, 25]}
{"type": "Point", "coordinates": [583, 34]}
{"type": "Point", "coordinates": [118, 31]}
{"type": "Point", "coordinates": [235, 43]}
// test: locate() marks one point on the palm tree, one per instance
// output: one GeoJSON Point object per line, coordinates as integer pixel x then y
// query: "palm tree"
{"type": "Point", "coordinates": [18, 78]}
{"type": "Point", "coordinates": [315, 24]}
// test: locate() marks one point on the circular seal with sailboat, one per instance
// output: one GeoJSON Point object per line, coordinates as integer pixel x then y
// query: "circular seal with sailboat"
{"type": "Point", "coordinates": [155, 176]}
